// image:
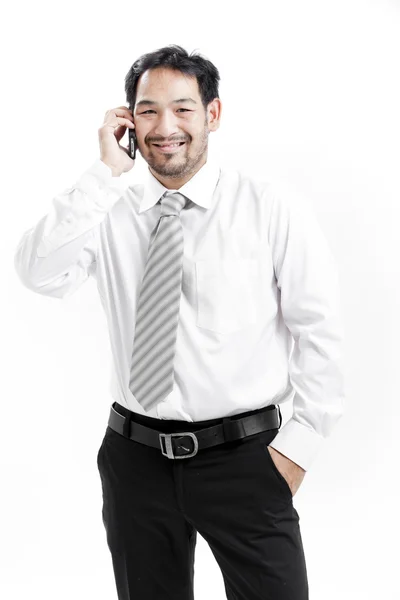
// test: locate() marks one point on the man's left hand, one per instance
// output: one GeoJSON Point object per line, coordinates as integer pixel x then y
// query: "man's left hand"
{"type": "Point", "coordinates": [291, 471]}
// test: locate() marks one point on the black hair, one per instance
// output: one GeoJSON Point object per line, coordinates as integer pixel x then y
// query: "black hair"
{"type": "Point", "coordinates": [175, 58]}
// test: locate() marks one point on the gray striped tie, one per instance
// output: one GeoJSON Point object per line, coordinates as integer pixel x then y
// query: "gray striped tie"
{"type": "Point", "coordinates": [152, 367]}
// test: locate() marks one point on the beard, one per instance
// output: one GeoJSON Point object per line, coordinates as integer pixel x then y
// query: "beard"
{"type": "Point", "coordinates": [178, 166]}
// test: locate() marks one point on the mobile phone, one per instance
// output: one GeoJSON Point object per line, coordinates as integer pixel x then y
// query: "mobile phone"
{"type": "Point", "coordinates": [132, 147]}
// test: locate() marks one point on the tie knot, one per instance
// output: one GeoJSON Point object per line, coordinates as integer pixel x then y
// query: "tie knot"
{"type": "Point", "coordinates": [172, 203]}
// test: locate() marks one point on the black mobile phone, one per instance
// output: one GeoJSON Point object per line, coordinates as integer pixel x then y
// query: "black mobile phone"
{"type": "Point", "coordinates": [132, 147]}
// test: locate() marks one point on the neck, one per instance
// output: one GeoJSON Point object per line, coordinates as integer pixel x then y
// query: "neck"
{"type": "Point", "coordinates": [173, 183]}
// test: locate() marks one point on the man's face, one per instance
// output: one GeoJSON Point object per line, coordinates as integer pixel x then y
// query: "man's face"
{"type": "Point", "coordinates": [169, 121]}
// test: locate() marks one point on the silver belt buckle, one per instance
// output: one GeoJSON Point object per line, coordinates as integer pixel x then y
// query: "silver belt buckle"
{"type": "Point", "coordinates": [168, 444]}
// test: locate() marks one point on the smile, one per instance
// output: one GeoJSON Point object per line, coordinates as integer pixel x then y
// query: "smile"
{"type": "Point", "coordinates": [170, 148]}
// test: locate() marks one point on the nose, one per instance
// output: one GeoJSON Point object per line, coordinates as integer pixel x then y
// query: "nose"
{"type": "Point", "coordinates": [166, 126]}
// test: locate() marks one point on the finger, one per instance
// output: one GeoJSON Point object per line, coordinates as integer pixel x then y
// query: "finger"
{"type": "Point", "coordinates": [126, 150]}
{"type": "Point", "coordinates": [120, 122]}
{"type": "Point", "coordinates": [119, 132]}
{"type": "Point", "coordinates": [119, 112]}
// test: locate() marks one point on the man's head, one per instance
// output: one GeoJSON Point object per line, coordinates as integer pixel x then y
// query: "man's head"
{"type": "Point", "coordinates": [160, 79]}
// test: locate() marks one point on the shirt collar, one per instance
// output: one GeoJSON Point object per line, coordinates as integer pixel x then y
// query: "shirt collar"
{"type": "Point", "coordinates": [200, 188]}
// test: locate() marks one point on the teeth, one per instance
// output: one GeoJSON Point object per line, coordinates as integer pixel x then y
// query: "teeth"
{"type": "Point", "coordinates": [168, 145]}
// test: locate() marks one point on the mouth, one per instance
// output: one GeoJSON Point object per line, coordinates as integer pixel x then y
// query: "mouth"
{"type": "Point", "coordinates": [170, 148]}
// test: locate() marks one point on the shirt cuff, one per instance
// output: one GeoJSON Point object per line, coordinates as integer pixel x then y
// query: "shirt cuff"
{"type": "Point", "coordinates": [99, 176]}
{"type": "Point", "coordinates": [298, 442]}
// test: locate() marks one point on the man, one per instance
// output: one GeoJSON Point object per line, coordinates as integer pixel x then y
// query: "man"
{"type": "Point", "coordinates": [207, 278]}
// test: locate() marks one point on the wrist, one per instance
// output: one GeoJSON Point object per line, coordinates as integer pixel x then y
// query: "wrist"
{"type": "Point", "coordinates": [114, 171]}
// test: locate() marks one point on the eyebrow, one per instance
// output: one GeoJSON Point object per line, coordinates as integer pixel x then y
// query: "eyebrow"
{"type": "Point", "coordinates": [152, 103]}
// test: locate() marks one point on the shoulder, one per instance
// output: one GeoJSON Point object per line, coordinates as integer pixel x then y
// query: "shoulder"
{"type": "Point", "coordinates": [268, 189]}
{"type": "Point", "coordinates": [241, 180]}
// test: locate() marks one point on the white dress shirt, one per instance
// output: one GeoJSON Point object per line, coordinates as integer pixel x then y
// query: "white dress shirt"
{"type": "Point", "coordinates": [260, 316]}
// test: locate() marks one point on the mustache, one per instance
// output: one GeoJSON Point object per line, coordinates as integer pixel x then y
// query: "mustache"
{"type": "Point", "coordinates": [174, 141]}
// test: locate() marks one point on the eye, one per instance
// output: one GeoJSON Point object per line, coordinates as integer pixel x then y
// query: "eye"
{"type": "Point", "coordinates": [146, 111]}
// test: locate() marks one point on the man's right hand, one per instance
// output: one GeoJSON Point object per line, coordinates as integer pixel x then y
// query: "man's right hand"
{"type": "Point", "coordinates": [111, 132]}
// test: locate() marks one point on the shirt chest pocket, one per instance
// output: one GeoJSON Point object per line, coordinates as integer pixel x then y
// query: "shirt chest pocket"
{"type": "Point", "coordinates": [228, 294]}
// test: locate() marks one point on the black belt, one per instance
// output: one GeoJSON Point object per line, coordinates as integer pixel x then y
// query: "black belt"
{"type": "Point", "coordinates": [185, 444]}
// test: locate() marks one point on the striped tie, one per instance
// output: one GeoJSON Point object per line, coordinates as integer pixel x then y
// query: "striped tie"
{"type": "Point", "coordinates": [152, 367]}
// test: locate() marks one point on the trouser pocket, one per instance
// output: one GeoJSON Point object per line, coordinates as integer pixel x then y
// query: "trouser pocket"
{"type": "Point", "coordinates": [265, 439]}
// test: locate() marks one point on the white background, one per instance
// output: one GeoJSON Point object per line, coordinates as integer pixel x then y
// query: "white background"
{"type": "Point", "coordinates": [310, 95]}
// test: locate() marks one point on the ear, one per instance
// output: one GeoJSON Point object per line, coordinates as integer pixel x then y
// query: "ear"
{"type": "Point", "coordinates": [214, 110]}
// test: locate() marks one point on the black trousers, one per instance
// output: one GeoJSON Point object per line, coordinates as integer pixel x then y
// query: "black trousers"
{"type": "Point", "coordinates": [232, 494]}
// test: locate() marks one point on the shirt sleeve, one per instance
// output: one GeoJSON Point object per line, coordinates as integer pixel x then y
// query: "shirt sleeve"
{"type": "Point", "coordinates": [310, 301]}
{"type": "Point", "coordinates": [55, 257]}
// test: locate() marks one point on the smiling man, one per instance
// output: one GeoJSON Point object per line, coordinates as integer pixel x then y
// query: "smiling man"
{"type": "Point", "coordinates": [172, 125]}
{"type": "Point", "coordinates": [222, 300]}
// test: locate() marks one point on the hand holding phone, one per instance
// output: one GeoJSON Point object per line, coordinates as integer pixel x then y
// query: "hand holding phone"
{"type": "Point", "coordinates": [132, 144]}
{"type": "Point", "coordinates": [117, 157]}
